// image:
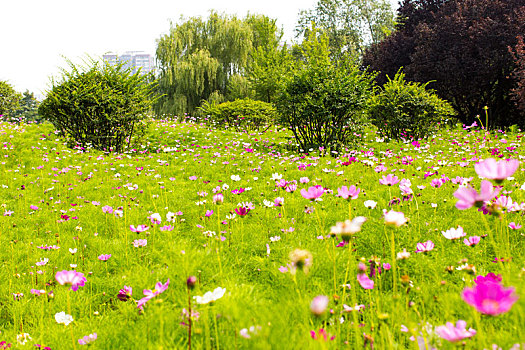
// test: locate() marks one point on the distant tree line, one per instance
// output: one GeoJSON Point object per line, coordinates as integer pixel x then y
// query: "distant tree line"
{"type": "Point", "coordinates": [17, 106]}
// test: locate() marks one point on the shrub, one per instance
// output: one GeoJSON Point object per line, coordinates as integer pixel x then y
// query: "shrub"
{"type": "Point", "coordinates": [324, 104]}
{"type": "Point", "coordinates": [242, 114]}
{"type": "Point", "coordinates": [100, 105]}
{"type": "Point", "coordinates": [402, 109]}
{"type": "Point", "coordinates": [9, 100]}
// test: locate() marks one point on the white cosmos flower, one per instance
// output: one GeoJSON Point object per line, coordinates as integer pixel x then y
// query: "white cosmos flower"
{"type": "Point", "coordinates": [235, 178]}
{"type": "Point", "coordinates": [394, 218]}
{"type": "Point", "coordinates": [62, 317]}
{"type": "Point", "coordinates": [370, 204]}
{"type": "Point", "coordinates": [454, 233]}
{"type": "Point", "coordinates": [170, 216]}
{"type": "Point", "coordinates": [23, 338]}
{"type": "Point", "coordinates": [268, 203]}
{"type": "Point", "coordinates": [276, 176]}
{"type": "Point", "coordinates": [210, 297]}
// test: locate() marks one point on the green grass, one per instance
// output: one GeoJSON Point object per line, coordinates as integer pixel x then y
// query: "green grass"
{"type": "Point", "coordinates": [34, 171]}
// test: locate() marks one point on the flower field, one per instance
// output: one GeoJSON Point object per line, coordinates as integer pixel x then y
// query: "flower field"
{"type": "Point", "coordinates": [211, 239]}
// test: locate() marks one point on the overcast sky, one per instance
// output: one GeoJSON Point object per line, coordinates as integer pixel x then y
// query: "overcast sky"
{"type": "Point", "coordinates": [35, 34]}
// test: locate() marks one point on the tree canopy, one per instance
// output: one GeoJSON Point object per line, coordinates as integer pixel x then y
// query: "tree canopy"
{"type": "Point", "coordinates": [9, 99]}
{"type": "Point", "coordinates": [461, 48]}
{"type": "Point", "coordinates": [351, 25]}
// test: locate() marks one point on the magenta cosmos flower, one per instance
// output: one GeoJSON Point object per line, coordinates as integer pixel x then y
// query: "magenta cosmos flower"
{"type": "Point", "coordinates": [125, 293]}
{"type": "Point", "coordinates": [469, 197]}
{"type": "Point", "coordinates": [313, 192]}
{"type": "Point", "coordinates": [71, 278]}
{"type": "Point", "coordinates": [351, 192]}
{"type": "Point", "coordinates": [242, 211]}
{"type": "Point", "coordinates": [455, 333]}
{"type": "Point", "coordinates": [490, 297]}
{"type": "Point", "coordinates": [496, 170]}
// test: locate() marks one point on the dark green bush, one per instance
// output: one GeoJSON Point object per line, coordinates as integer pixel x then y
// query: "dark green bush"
{"type": "Point", "coordinates": [99, 106]}
{"type": "Point", "coordinates": [324, 104]}
{"type": "Point", "coordinates": [404, 109]}
{"type": "Point", "coordinates": [242, 114]}
{"type": "Point", "coordinates": [9, 100]}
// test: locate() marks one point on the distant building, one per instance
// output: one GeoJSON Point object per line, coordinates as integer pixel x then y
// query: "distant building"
{"type": "Point", "coordinates": [132, 59]}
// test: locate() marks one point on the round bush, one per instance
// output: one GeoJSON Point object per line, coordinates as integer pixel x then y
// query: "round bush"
{"type": "Point", "coordinates": [99, 106]}
{"type": "Point", "coordinates": [324, 104]}
{"type": "Point", "coordinates": [404, 109]}
{"type": "Point", "coordinates": [241, 114]}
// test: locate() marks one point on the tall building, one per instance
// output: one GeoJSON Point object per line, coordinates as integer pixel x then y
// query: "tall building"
{"type": "Point", "coordinates": [132, 59]}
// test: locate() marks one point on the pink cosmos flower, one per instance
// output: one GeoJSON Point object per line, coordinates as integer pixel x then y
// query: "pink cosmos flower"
{"type": "Point", "coordinates": [363, 279]}
{"type": "Point", "coordinates": [125, 293]}
{"type": "Point", "coordinates": [88, 339]}
{"type": "Point", "coordinates": [104, 257]}
{"type": "Point", "coordinates": [319, 304]}
{"type": "Point", "coordinates": [166, 228]}
{"type": "Point", "coordinates": [107, 209]}
{"type": "Point", "coordinates": [278, 202]}
{"type": "Point", "coordinates": [33, 207]}
{"type": "Point", "coordinates": [514, 226]}
{"type": "Point", "coordinates": [71, 278]}
{"type": "Point", "coordinates": [425, 247]}
{"type": "Point", "coordinates": [209, 213]}
{"type": "Point", "coordinates": [380, 168]}
{"type": "Point", "coordinates": [218, 198]}
{"type": "Point", "coordinates": [472, 240]}
{"type": "Point", "coordinates": [469, 197]}
{"type": "Point", "coordinates": [291, 187]}
{"type": "Point", "coordinates": [389, 180]}
{"type": "Point", "coordinates": [345, 192]}
{"type": "Point", "coordinates": [150, 294]}
{"type": "Point", "coordinates": [437, 183]}
{"type": "Point", "coordinates": [139, 228]}
{"type": "Point", "coordinates": [455, 333]}
{"type": "Point", "coordinates": [140, 243]}
{"type": "Point", "coordinates": [313, 193]}
{"type": "Point", "coordinates": [489, 297]}
{"type": "Point", "coordinates": [304, 180]}
{"type": "Point", "coordinates": [496, 170]}
{"type": "Point", "coordinates": [37, 292]}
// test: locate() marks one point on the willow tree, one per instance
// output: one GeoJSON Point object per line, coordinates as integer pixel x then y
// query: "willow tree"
{"type": "Point", "coordinates": [206, 60]}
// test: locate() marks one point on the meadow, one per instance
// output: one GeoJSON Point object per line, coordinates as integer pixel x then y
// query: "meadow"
{"type": "Point", "coordinates": [235, 241]}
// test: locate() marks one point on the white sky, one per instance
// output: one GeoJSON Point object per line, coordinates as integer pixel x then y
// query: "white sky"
{"type": "Point", "coordinates": [35, 34]}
